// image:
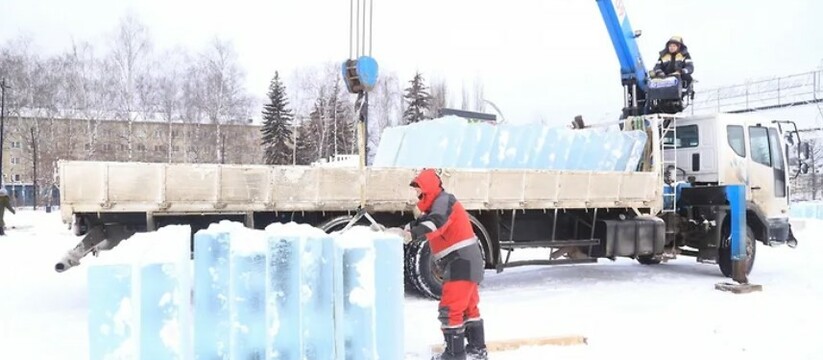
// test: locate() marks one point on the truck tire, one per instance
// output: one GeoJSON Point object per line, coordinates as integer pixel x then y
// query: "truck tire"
{"type": "Point", "coordinates": [648, 259]}
{"type": "Point", "coordinates": [420, 271]}
{"type": "Point", "coordinates": [724, 256]}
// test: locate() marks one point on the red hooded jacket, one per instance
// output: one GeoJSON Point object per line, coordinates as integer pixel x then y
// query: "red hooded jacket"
{"type": "Point", "coordinates": [444, 221]}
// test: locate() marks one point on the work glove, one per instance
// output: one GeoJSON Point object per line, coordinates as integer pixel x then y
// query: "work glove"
{"type": "Point", "coordinates": [416, 212]}
{"type": "Point", "coordinates": [403, 234]}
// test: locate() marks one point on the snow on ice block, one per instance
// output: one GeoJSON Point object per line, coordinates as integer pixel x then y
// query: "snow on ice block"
{"type": "Point", "coordinates": [456, 143]}
{"type": "Point", "coordinates": [147, 280]}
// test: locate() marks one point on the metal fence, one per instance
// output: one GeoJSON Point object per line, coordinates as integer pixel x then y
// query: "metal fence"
{"type": "Point", "coordinates": [777, 92]}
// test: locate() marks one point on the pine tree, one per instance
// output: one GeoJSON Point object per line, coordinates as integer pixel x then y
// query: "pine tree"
{"type": "Point", "coordinates": [341, 127]}
{"type": "Point", "coordinates": [277, 122]}
{"type": "Point", "coordinates": [417, 100]}
{"type": "Point", "coordinates": [306, 151]}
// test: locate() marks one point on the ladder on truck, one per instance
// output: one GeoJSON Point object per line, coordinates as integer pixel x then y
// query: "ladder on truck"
{"type": "Point", "coordinates": [669, 161]}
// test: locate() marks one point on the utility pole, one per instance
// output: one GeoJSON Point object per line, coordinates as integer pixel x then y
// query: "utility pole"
{"type": "Point", "coordinates": [3, 88]}
{"type": "Point", "coordinates": [34, 171]}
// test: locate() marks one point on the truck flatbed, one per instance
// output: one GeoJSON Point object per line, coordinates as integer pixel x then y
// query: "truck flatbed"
{"type": "Point", "coordinates": [158, 188]}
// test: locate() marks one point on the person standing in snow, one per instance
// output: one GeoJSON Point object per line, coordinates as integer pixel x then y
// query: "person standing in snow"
{"type": "Point", "coordinates": [444, 223]}
{"type": "Point", "coordinates": [675, 59]}
{"type": "Point", "coordinates": [5, 203]}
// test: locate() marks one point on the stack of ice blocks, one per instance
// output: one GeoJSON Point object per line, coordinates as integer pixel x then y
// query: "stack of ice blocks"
{"type": "Point", "coordinates": [452, 142]}
{"type": "Point", "coordinates": [289, 292]}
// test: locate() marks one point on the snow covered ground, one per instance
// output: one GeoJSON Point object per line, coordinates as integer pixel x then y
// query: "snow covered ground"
{"type": "Point", "coordinates": [623, 308]}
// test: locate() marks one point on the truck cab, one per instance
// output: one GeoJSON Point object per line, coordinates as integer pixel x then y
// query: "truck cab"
{"type": "Point", "coordinates": [723, 149]}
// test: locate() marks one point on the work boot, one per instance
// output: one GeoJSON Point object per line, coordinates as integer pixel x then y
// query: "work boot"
{"type": "Point", "coordinates": [476, 337]}
{"type": "Point", "coordinates": [455, 345]}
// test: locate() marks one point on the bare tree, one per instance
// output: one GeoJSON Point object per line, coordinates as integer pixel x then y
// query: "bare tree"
{"type": "Point", "coordinates": [224, 96]}
{"type": "Point", "coordinates": [465, 103]}
{"type": "Point", "coordinates": [479, 97]}
{"type": "Point", "coordinates": [131, 48]}
{"type": "Point", "coordinates": [440, 94]}
{"type": "Point", "coordinates": [169, 92]}
{"type": "Point", "coordinates": [385, 109]}
{"type": "Point", "coordinates": [302, 87]}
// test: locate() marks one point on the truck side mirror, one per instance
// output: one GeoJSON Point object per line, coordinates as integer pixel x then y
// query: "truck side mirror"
{"type": "Point", "coordinates": [804, 168]}
{"type": "Point", "coordinates": [789, 139]}
{"type": "Point", "coordinates": [803, 150]}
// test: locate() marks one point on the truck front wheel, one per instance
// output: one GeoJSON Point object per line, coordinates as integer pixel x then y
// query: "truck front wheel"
{"type": "Point", "coordinates": [724, 256]}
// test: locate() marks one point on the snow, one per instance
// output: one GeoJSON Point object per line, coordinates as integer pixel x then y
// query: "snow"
{"type": "Point", "coordinates": [623, 308]}
{"type": "Point", "coordinates": [144, 249]}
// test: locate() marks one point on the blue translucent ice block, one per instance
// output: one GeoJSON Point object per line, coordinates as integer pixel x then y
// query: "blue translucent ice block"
{"type": "Point", "coordinates": [483, 147]}
{"type": "Point", "coordinates": [283, 286]}
{"type": "Point", "coordinates": [318, 298]}
{"type": "Point", "coordinates": [388, 308]}
{"type": "Point", "coordinates": [112, 326]}
{"type": "Point", "coordinates": [160, 312]}
{"type": "Point", "coordinates": [358, 302]}
{"type": "Point", "coordinates": [390, 142]}
{"type": "Point", "coordinates": [248, 302]}
{"type": "Point", "coordinates": [211, 291]}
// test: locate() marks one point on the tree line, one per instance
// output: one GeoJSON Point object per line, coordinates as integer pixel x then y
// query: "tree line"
{"type": "Point", "coordinates": [307, 114]}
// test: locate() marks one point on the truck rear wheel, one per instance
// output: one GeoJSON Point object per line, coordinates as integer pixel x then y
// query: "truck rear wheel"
{"type": "Point", "coordinates": [420, 270]}
{"type": "Point", "coordinates": [724, 256]}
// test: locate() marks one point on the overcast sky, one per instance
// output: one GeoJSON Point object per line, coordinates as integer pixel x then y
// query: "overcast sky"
{"type": "Point", "coordinates": [537, 58]}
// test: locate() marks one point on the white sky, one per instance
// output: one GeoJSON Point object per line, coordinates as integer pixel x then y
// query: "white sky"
{"type": "Point", "coordinates": [536, 58]}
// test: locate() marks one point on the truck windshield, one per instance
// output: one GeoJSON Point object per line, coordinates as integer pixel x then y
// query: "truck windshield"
{"type": "Point", "coordinates": [687, 137]}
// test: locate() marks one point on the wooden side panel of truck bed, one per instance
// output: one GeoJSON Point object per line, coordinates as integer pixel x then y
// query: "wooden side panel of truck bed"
{"type": "Point", "coordinates": [92, 187]}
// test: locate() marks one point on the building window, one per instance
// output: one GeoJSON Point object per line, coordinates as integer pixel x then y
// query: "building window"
{"type": "Point", "coordinates": [106, 147]}
{"type": "Point", "coordinates": [159, 148]}
{"type": "Point", "coordinates": [174, 133]}
{"type": "Point", "coordinates": [158, 133]}
{"type": "Point", "coordinates": [15, 160]}
{"type": "Point", "coordinates": [17, 177]}
{"type": "Point", "coordinates": [87, 146]}
{"type": "Point", "coordinates": [16, 145]}
{"type": "Point", "coordinates": [123, 147]}
{"type": "Point", "coordinates": [175, 148]}
{"type": "Point", "coordinates": [141, 147]}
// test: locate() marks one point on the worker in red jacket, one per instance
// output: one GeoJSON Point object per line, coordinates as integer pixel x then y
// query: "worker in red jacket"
{"type": "Point", "coordinates": [444, 223]}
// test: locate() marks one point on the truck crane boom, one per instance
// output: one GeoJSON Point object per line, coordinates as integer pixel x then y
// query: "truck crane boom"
{"type": "Point", "coordinates": [632, 70]}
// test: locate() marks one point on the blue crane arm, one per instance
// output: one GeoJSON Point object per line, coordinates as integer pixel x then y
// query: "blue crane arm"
{"type": "Point", "coordinates": [623, 39]}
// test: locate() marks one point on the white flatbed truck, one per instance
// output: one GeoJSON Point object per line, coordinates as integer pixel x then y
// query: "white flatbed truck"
{"type": "Point", "coordinates": [672, 205]}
